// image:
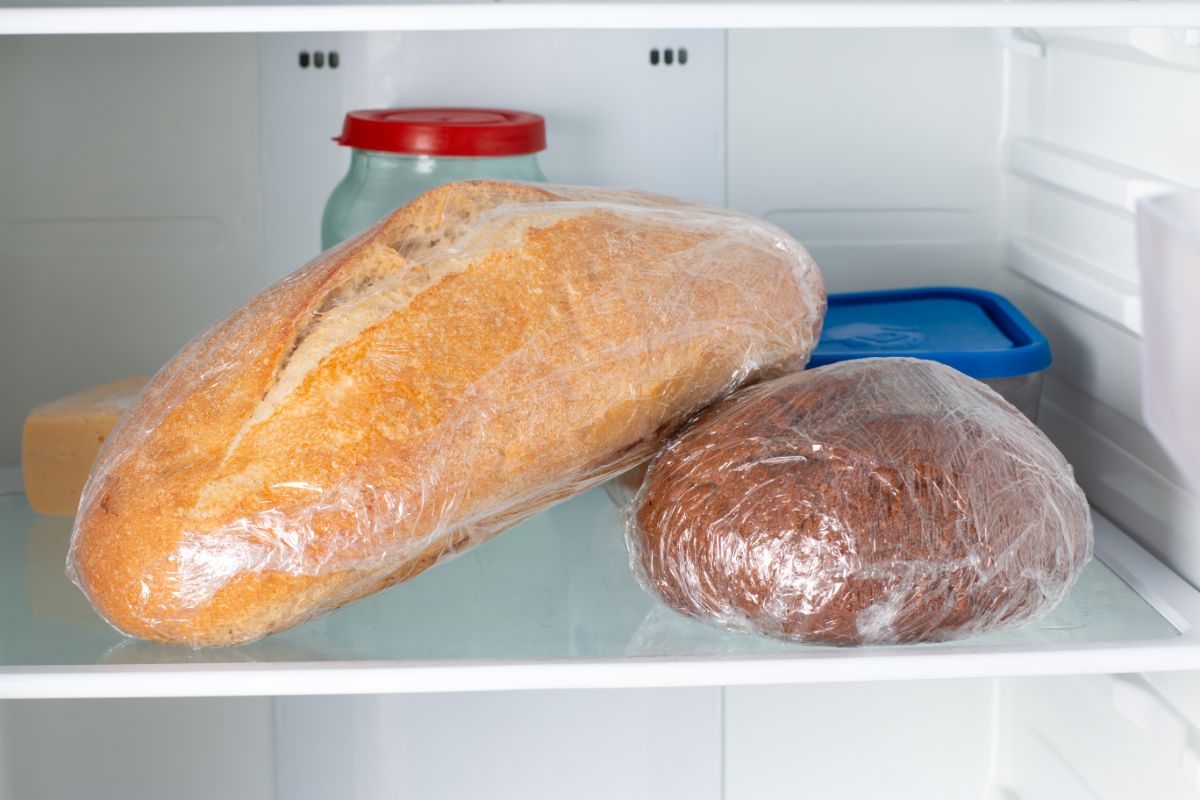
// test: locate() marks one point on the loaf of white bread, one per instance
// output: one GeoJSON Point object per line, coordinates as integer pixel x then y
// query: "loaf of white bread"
{"type": "Point", "coordinates": [483, 352]}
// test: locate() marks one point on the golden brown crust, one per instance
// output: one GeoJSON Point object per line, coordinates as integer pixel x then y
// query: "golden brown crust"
{"type": "Point", "coordinates": [481, 353]}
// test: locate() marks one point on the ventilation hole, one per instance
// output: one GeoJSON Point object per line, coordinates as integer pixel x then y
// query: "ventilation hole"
{"type": "Point", "coordinates": [682, 56]}
{"type": "Point", "coordinates": [654, 57]}
{"type": "Point", "coordinates": [303, 59]}
{"type": "Point", "coordinates": [335, 59]}
{"type": "Point", "coordinates": [318, 59]}
{"type": "Point", "coordinates": [668, 56]}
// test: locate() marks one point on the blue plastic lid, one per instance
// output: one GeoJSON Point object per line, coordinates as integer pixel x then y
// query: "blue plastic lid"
{"type": "Point", "coordinates": [978, 333]}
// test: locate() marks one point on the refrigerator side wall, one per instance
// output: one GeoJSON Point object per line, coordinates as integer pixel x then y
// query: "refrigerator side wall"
{"type": "Point", "coordinates": [1094, 123]}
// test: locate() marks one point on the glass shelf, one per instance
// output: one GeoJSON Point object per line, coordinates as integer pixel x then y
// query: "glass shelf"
{"type": "Point", "coordinates": [551, 603]}
{"type": "Point", "coordinates": [222, 16]}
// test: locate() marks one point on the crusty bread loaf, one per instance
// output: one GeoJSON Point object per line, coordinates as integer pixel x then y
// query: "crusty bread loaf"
{"type": "Point", "coordinates": [483, 352]}
{"type": "Point", "coordinates": [879, 500]}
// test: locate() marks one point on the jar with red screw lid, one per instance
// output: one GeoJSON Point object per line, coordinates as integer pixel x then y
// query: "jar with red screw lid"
{"type": "Point", "coordinates": [399, 153]}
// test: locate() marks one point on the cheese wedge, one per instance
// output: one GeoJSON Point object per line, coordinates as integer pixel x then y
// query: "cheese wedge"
{"type": "Point", "coordinates": [61, 439]}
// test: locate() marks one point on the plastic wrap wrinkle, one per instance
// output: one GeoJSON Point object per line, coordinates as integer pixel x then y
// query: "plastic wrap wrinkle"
{"type": "Point", "coordinates": [870, 501]}
{"type": "Point", "coordinates": [484, 352]}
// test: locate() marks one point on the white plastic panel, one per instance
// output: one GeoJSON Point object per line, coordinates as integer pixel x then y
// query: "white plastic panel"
{"type": "Point", "coordinates": [1112, 185]}
{"type": "Point", "coordinates": [1093, 738]}
{"type": "Point", "coordinates": [612, 118]}
{"type": "Point", "coordinates": [1115, 104]}
{"type": "Point", "coordinates": [1117, 460]}
{"type": "Point", "coordinates": [1169, 263]}
{"type": "Point", "coordinates": [1107, 296]}
{"type": "Point", "coordinates": [633, 744]}
{"type": "Point", "coordinates": [1068, 738]}
{"type": "Point", "coordinates": [1094, 125]}
{"type": "Point", "coordinates": [129, 212]}
{"type": "Point", "coordinates": [300, 110]}
{"type": "Point", "coordinates": [1181, 692]}
{"type": "Point", "coordinates": [876, 149]}
{"type": "Point", "coordinates": [929, 740]}
{"type": "Point", "coordinates": [138, 749]}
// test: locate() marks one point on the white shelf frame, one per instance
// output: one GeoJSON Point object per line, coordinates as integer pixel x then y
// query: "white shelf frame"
{"type": "Point", "coordinates": [91, 19]}
{"type": "Point", "coordinates": [1114, 186]}
{"type": "Point", "coordinates": [1169, 594]}
{"type": "Point", "coordinates": [1103, 294]}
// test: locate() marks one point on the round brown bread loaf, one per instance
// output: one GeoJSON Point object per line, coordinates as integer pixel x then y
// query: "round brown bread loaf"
{"type": "Point", "coordinates": [876, 500]}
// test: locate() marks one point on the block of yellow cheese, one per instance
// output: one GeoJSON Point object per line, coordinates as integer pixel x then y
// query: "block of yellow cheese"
{"type": "Point", "coordinates": [61, 439]}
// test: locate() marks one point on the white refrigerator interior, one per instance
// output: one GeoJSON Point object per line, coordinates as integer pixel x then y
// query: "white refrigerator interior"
{"type": "Point", "coordinates": [1067, 738]}
{"type": "Point", "coordinates": [151, 183]}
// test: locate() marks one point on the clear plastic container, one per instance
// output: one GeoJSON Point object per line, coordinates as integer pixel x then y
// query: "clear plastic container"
{"type": "Point", "coordinates": [981, 334]}
{"type": "Point", "coordinates": [1023, 391]}
{"type": "Point", "coordinates": [399, 153]}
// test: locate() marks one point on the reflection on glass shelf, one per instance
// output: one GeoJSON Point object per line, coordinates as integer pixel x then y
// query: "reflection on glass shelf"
{"type": "Point", "coordinates": [557, 587]}
{"type": "Point", "coordinates": [1101, 608]}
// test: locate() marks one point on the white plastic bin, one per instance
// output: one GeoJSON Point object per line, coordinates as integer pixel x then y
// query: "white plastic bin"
{"type": "Point", "coordinates": [1169, 257]}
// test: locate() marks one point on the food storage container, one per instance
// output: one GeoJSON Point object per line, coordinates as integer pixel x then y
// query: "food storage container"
{"type": "Point", "coordinates": [398, 153]}
{"type": "Point", "coordinates": [1169, 262]}
{"type": "Point", "coordinates": [979, 333]}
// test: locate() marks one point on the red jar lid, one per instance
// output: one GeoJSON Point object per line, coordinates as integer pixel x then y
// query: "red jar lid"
{"type": "Point", "coordinates": [445, 131]}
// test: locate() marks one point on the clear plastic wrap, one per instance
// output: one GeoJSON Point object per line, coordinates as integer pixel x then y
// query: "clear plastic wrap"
{"type": "Point", "coordinates": [484, 352]}
{"type": "Point", "coordinates": [870, 501]}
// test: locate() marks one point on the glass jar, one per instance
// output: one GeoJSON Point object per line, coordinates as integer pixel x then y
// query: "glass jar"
{"type": "Point", "coordinates": [398, 153]}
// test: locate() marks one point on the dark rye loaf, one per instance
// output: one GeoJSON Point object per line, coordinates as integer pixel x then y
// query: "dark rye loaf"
{"type": "Point", "coordinates": [877, 500]}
